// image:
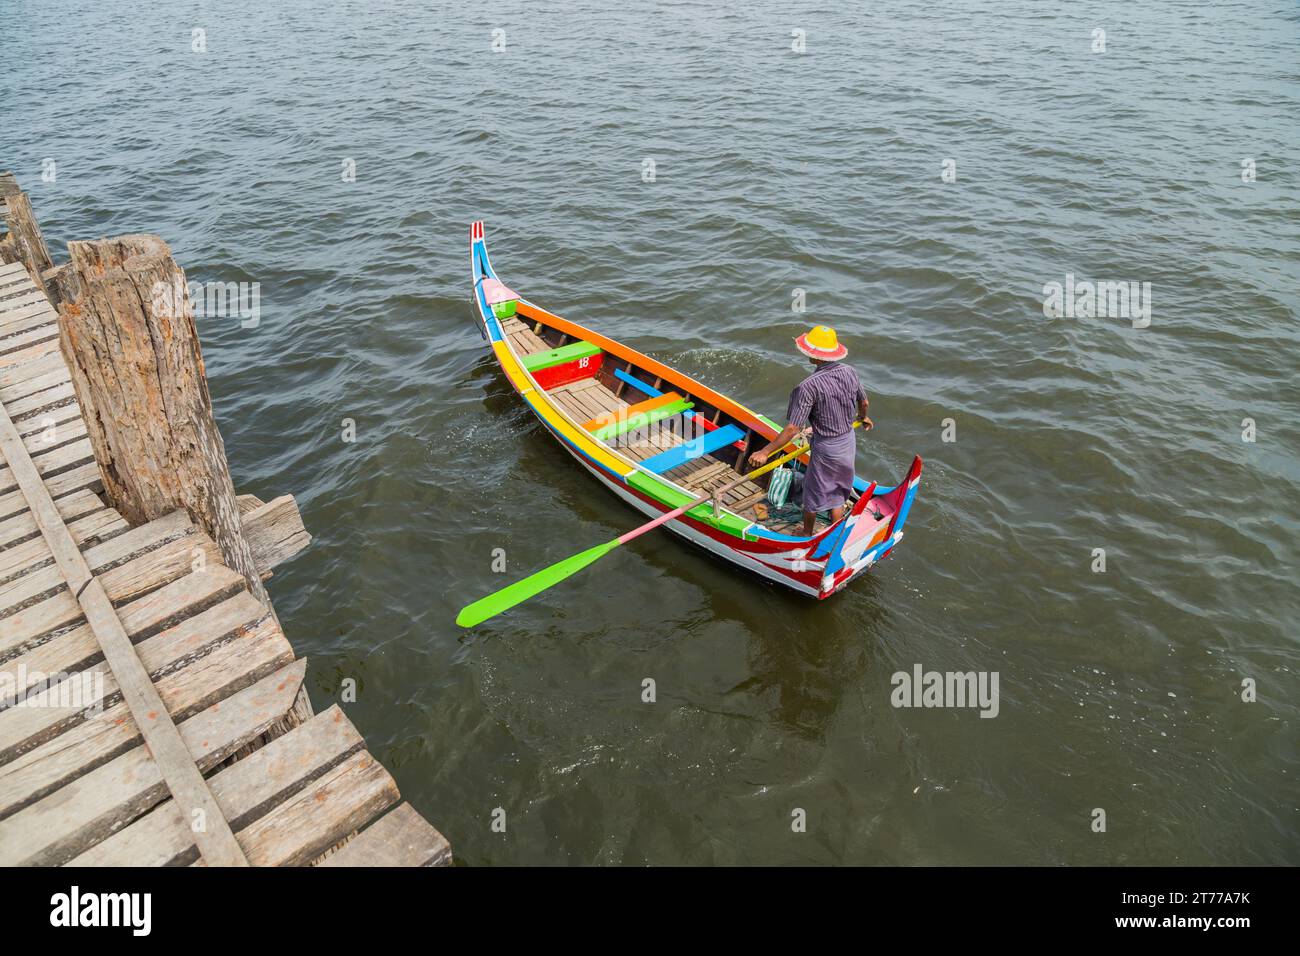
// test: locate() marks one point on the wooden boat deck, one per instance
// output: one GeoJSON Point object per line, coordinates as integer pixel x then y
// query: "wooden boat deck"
{"type": "Point", "coordinates": [590, 398]}
{"type": "Point", "coordinates": [149, 704]}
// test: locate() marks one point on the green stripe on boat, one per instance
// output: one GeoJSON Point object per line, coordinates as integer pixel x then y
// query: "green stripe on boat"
{"type": "Point", "coordinates": [565, 353]}
{"type": "Point", "coordinates": [666, 494]}
{"type": "Point", "coordinates": [642, 419]}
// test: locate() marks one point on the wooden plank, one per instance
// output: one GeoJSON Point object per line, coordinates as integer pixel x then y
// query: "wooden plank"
{"type": "Point", "coordinates": [12, 341]}
{"type": "Point", "coordinates": [76, 649]}
{"type": "Point", "coordinates": [71, 507]}
{"type": "Point", "coordinates": [14, 287]}
{"type": "Point", "coordinates": [570, 404]}
{"type": "Point", "coordinates": [14, 283]}
{"type": "Point", "coordinates": [34, 553]}
{"type": "Point", "coordinates": [22, 300]}
{"type": "Point", "coordinates": [245, 790]}
{"type": "Point", "coordinates": [747, 502]}
{"type": "Point", "coordinates": [78, 696]}
{"type": "Point", "coordinates": [51, 462]}
{"type": "Point", "coordinates": [400, 838]}
{"type": "Point", "coordinates": [27, 316]}
{"type": "Point", "coordinates": [207, 681]}
{"type": "Point", "coordinates": [58, 396]}
{"type": "Point", "coordinates": [12, 378]}
{"type": "Point", "coordinates": [40, 437]}
{"type": "Point", "coordinates": [274, 532]}
{"type": "Point", "coordinates": [151, 570]}
{"type": "Point", "coordinates": [19, 357]}
{"type": "Point", "coordinates": [62, 422]}
{"type": "Point", "coordinates": [83, 477]}
{"type": "Point", "coordinates": [331, 807]}
{"type": "Point", "coordinates": [14, 386]}
{"type": "Point", "coordinates": [76, 817]}
{"type": "Point", "coordinates": [43, 583]}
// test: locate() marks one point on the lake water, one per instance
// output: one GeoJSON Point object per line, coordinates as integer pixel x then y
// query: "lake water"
{"type": "Point", "coordinates": [1169, 157]}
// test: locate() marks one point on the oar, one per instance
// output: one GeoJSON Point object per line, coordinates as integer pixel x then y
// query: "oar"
{"type": "Point", "coordinates": [521, 591]}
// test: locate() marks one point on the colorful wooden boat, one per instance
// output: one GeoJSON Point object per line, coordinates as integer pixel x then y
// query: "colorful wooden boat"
{"type": "Point", "coordinates": [658, 439]}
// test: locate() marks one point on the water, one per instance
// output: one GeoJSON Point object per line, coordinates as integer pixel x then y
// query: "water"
{"type": "Point", "coordinates": [774, 171]}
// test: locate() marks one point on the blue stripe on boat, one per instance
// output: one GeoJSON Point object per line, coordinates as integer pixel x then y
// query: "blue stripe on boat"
{"type": "Point", "coordinates": [695, 448]}
{"type": "Point", "coordinates": [635, 382]}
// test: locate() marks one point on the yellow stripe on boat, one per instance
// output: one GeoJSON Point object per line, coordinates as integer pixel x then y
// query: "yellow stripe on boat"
{"type": "Point", "coordinates": [513, 370]}
{"type": "Point", "coordinates": [542, 403]}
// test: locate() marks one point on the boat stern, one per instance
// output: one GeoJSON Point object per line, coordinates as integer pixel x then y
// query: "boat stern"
{"type": "Point", "coordinates": [871, 531]}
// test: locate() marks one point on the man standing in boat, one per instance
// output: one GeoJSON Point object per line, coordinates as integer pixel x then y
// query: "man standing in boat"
{"type": "Point", "coordinates": [830, 400]}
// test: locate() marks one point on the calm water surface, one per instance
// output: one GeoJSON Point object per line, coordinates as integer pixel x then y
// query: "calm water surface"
{"type": "Point", "coordinates": [774, 171]}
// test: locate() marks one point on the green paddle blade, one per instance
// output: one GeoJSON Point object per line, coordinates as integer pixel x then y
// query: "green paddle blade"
{"type": "Point", "coordinates": [521, 591]}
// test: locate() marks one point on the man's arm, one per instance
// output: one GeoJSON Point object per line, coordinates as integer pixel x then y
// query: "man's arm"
{"type": "Point", "coordinates": [760, 457]}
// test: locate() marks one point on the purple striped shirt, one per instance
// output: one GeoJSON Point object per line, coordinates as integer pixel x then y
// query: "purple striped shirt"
{"type": "Point", "coordinates": [827, 399]}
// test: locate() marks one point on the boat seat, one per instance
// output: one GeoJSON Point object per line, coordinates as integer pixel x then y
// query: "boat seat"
{"type": "Point", "coordinates": [697, 418]}
{"type": "Point", "coordinates": [637, 383]}
{"type": "Point", "coordinates": [574, 351]}
{"type": "Point", "coordinates": [623, 420]}
{"type": "Point", "coordinates": [694, 448]}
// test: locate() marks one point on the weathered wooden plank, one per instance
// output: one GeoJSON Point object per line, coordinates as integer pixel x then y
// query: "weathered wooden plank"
{"type": "Point", "coordinates": [274, 532]}
{"type": "Point", "coordinates": [87, 745]}
{"type": "Point", "coordinates": [309, 823]}
{"type": "Point", "coordinates": [82, 477]}
{"type": "Point", "coordinates": [245, 790]}
{"type": "Point", "coordinates": [22, 300]}
{"type": "Point", "coordinates": [400, 838]}
{"type": "Point", "coordinates": [138, 576]}
{"type": "Point", "coordinates": [12, 378]}
{"type": "Point", "coordinates": [71, 507]}
{"type": "Point", "coordinates": [59, 396]}
{"type": "Point", "coordinates": [77, 696]}
{"type": "Point", "coordinates": [58, 827]}
{"type": "Point", "coordinates": [12, 285]}
{"type": "Point", "coordinates": [47, 434]}
{"type": "Point", "coordinates": [100, 558]}
{"type": "Point", "coordinates": [51, 462]}
{"type": "Point", "coordinates": [28, 354]}
{"type": "Point", "coordinates": [16, 384]}
{"type": "Point", "coordinates": [248, 503]}
{"type": "Point", "coordinates": [76, 649]}
{"type": "Point", "coordinates": [26, 317]}
{"type": "Point", "coordinates": [34, 553]}
{"type": "Point", "coordinates": [13, 341]}
{"type": "Point", "coordinates": [53, 427]}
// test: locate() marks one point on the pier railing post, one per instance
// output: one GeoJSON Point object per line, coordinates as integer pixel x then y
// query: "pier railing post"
{"type": "Point", "coordinates": [127, 330]}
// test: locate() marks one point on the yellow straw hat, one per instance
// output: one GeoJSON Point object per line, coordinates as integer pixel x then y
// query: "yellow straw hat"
{"type": "Point", "coordinates": [820, 342]}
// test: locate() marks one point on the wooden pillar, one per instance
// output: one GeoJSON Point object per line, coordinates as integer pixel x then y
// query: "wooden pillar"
{"type": "Point", "coordinates": [127, 330]}
{"type": "Point", "coordinates": [25, 243]}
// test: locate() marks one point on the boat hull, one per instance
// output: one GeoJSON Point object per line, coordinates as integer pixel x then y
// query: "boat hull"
{"type": "Point", "coordinates": [816, 566]}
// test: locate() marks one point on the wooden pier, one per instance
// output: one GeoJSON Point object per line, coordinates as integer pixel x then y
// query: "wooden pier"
{"type": "Point", "coordinates": [152, 711]}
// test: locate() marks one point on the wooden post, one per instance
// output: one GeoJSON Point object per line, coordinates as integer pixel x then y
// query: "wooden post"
{"type": "Point", "coordinates": [127, 330]}
{"type": "Point", "coordinates": [25, 243]}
